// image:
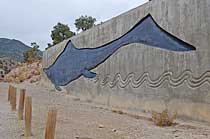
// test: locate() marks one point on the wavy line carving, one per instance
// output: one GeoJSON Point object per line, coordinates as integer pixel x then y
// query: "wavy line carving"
{"type": "Point", "coordinates": [130, 79]}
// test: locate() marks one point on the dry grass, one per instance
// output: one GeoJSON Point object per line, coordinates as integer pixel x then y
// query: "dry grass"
{"type": "Point", "coordinates": [117, 111]}
{"type": "Point", "coordinates": [163, 119]}
{"type": "Point", "coordinates": [186, 127]}
{"type": "Point", "coordinates": [138, 117]}
{"type": "Point", "coordinates": [131, 115]}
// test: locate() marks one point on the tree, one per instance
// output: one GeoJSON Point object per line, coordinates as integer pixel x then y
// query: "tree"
{"type": "Point", "coordinates": [31, 54]}
{"type": "Point", "coordinates": [84, 22]}
{"type": "Point", "coordinates": [60, 32]}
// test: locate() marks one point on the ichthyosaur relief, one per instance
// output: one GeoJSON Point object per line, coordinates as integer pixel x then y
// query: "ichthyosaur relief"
{"type": "Point", "coordinates": [74, 62]}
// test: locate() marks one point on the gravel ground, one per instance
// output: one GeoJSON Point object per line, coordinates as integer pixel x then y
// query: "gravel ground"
{"type": "Point", "coordinates": [82, 120]}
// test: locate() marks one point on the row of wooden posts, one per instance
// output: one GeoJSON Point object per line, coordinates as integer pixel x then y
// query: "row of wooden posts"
{"type": "Point", "coordinates": [51, 117]}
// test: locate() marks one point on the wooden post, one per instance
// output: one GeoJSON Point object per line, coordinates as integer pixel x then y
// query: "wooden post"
{"type": "Point", "coordinates": [21, 104]}
{"type": "Point", "coordinates": [28, 116]}
{"type": "Point", "coordinates": [9, 92]}
{"type": "Point", "coordinates": [13, 98]}
{"type": "Point", "coordinates": [50, 124]}
{"type": "Point", "coordinates": [10, 96]}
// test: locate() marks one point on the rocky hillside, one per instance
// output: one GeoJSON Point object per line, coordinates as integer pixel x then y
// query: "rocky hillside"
{"type": "Point", "coordinates": [13, 49]}
{"type": "Point", "coordinates": [25, 72]}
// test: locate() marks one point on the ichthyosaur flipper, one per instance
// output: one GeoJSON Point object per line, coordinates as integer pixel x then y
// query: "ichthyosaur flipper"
{"type": "Point", "coordinates": [88, 74]}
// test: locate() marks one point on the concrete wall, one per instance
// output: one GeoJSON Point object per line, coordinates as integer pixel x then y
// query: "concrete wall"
{"type": "Point", "coordinates": [177, 81]}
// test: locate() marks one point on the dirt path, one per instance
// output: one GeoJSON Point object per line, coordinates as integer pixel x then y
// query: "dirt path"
{"type": "Point", "coordinates": [81, 119]}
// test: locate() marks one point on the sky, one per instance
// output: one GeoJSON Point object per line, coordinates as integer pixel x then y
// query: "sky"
{"type": "Point", "coordinates": [33, 20]}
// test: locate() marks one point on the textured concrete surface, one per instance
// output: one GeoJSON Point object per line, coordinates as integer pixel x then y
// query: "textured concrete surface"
{"type": "Point", "coordinates": [150, 79]}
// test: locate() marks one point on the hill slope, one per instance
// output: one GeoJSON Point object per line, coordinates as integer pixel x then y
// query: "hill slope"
{"type": "Point", "coordinates": [13, 49]}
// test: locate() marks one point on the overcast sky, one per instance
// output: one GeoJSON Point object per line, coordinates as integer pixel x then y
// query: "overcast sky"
{"type": "Point", "coordinates": [32, 20]}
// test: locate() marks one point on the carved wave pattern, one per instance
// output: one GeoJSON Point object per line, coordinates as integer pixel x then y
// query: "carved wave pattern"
{"type": "Point", "coordinates": [130, 79]}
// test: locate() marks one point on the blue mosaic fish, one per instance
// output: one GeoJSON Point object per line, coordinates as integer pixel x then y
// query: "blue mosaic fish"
{"type": "Point", "coordinates": [74, 62]}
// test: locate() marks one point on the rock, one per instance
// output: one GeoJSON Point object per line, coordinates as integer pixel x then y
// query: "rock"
{"type": "Point", "coordinates": [77, 137]}
{"type": "Point", "coordinates": [76, 99]}
{"type": "Point", "coordinates": [101, 126]}
{"type": "Point", "coordinates": [114, 130]}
